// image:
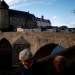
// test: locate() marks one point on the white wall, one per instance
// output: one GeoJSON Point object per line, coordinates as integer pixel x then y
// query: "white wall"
{"type": "Point", "coordinates": [28, 30]}
{"type": "Point", "coordinates": [54, 29]}
{"type": "Point", "coordinates": [50, 30]}
{"type": "Point", "coordinates": [39, 23]}
{"type": "Point", "coordinates": [37, 30]}
{"type": "Point", "coordinates": [67, 30]}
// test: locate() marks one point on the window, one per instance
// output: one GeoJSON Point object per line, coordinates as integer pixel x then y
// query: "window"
{"type": "Point", "coordinates": [13, 19]}
{"type": "Point", "coordinates": [19, 19]}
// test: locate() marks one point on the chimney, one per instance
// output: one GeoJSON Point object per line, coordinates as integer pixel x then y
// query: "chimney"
{"type": "Point", "coordinates": [42, 17]}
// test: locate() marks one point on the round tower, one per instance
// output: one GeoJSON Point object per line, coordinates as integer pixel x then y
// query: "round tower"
{"type": "Point", "coordinates": [4, 15]}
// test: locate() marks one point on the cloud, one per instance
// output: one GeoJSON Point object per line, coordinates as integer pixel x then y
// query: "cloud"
{"type": "Point", "coordinates": [50, 2]}
{"type": "Point", "coordinates": [54, 17]}
{"type": "Point", "coordinates": [72, 25]}
{"type": "Point", "coordinates": [69, 25]}
{"type": "Point", "coordinates": [72, 16]}
{"type": "Point", "coordinates": [26, 4]}
{"type": "Point", "coordinates": [10, 2]}
{"type": "Point", "coordinates": [22, 3]}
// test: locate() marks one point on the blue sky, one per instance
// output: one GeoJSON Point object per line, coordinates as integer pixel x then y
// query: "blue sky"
{"type": "Point", "coordinates": [59, 12]}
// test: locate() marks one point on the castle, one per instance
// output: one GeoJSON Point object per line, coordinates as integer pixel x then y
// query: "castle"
{"type": "Point", "coordinates": [15, 18]}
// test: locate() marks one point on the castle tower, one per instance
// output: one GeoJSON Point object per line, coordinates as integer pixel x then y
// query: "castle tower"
{"type": "Point", "coordinates": [42, 17]}
{"type": "Point", "coordinates": [4, 16]}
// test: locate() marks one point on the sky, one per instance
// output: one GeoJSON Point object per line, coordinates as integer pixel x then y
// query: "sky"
{"type": "Point", "coordinates": [59, 12]}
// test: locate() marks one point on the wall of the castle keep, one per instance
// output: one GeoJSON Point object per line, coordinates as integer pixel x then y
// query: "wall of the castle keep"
{"type": "Point", "coordinates": [39, 39]}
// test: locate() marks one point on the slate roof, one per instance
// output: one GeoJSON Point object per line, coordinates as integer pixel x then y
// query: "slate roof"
{"type": "Point", "coordinates": [4, 5]}
{"type": "Point", "coordinates": [42, 20]}
{"type": "Point", "coordinates": [20, 14]}
{"type": "Point", "coordinates": [16, 13]}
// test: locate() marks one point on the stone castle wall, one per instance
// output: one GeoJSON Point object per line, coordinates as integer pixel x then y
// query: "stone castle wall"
{"type": "Point", "coordinates": [39, 39]}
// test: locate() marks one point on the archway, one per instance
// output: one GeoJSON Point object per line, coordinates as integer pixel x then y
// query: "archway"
{"type": "Point", "coordinates": [5, 55]}
{"type": "Point", "coordinates": [47, 50]}
{"type": "Point", "coordinates": [44, 51]}
{"type": "Point", "coordinates": [57, 49]}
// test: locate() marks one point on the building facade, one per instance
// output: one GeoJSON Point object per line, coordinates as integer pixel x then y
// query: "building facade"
{"type": "Point", "coordinates": [14, 18]}
{"type": "Point", "coordinates": [41, 22]}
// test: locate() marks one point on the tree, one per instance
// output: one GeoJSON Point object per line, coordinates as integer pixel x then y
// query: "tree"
{"type": "Point", "coordinates": [73, 11]}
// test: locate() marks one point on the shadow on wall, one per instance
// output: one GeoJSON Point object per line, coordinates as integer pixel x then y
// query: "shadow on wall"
{"type": "Point", "coordinates": [5, 55]}
{"type": "Point", "coordinates": [47, 50]}
{"type": "Point", "coordinates": [47, 61]}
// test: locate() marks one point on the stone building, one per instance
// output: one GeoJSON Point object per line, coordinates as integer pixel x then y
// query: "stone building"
{"type": "Point", "coordinates": [41, 22]}
{"type": "Point", "coordinates": [14, 18]}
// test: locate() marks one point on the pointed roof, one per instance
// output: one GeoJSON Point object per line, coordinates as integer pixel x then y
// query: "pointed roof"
{"type": "Point", "coordinates": [3, 5]}
{"type": "Point", "coordinates": [21, 40]}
